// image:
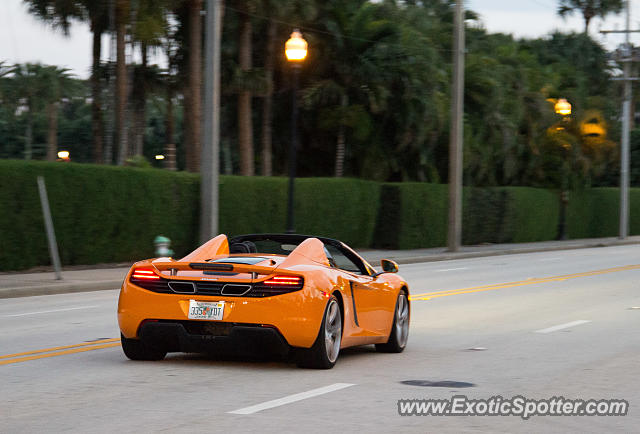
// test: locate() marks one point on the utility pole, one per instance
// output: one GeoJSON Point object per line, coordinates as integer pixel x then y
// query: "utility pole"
{"type": "Point", "coordinates": [626, 58]}
{"type": "Point", "coordinates": [111, 104]}
{"type": "Point", "coordinates": [210, 164]}
{"type": "Point", "coordinates": [456, 133]}
{"type": "Point", "coordinates": [624, 152]}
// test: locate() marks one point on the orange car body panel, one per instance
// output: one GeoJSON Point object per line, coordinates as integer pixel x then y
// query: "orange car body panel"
{"type": "Point", "coordinates": [368, 302]}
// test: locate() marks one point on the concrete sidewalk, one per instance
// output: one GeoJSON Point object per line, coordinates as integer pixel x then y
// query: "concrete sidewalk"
{"type": "Point", "coordinates": [28, 284]}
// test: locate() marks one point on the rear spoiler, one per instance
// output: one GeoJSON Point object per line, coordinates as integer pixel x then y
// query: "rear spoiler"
{"type": "Point", "coordinates": [174, 267]}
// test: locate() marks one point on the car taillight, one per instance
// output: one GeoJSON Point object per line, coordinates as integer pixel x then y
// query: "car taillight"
{"type": "Point", "coordinates": [284, 281]}
{"type": "Point", "coordinates": [145, 273]}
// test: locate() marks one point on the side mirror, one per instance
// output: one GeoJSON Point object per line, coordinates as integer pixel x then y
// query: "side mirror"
{"type": "Point", "coordinates": [389, 266]}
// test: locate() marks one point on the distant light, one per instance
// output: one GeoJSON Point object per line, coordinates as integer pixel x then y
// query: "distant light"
{"type": "Point", "coordinates": [159, 157]}
{"type": "Point", "coordinates": [563, 107]}
{"type": "Point", "coordinates": [296, 47]}
{"type": "Point", "coordinates": [63, 155]}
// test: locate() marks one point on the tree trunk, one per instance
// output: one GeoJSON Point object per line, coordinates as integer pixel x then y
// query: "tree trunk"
{"type": "Point", "coordinates": [169, 123]}
{"type": "Point", "coordinates": [341, 140]}
{"type": "Point", "coordinates": [97, 126]}
{"type": "Point", "coordinates": [245, 125]}
{"type": "Point", "coordinates": [121, 81]}
{"type": "Point", "coordinates": [141, 104]}
{"type": "Point", "coordinates": [169, 146]}
{"type": "Point", "coordinates": [28, 135]}
{"type": "Point", "coordinates": [193, 140]}
{"type": "Point", "coordinates": [52, 133]}
{"type": "Point", "coordinates": [267, 107]}
{"type": "Point", "coordinates": [587, 14]}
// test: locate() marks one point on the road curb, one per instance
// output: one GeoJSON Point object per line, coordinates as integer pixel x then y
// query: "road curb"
{"type": "Point", "coordinates": [59, 288]}
{"type": "Point", "coordinates": [446, 256]}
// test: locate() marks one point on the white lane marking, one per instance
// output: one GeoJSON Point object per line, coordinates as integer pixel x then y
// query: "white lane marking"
{"type": "Point", "coordinates": [550, 259]}
{"type": "Point", "coordinates": [291, 398]}
{"type": "Point", "coordinates": [563, 326]}
{"type": "Point", "coordinates": [450, 269]}
{"type": "Point", "coordinates": [52, 311]}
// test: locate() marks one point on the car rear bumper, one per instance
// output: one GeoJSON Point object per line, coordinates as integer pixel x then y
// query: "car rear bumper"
{"type": "Point", "coordinates": [190, 336]}
{"type": "Point", "coordinates": [296, 316]}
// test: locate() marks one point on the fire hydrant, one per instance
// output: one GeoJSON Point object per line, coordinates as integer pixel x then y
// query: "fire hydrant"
{"type": "Point", "coordinates": [162, 244]}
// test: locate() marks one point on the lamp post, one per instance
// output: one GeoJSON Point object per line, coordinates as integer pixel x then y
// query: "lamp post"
{"type": "Point", "coordinates": [563, 108]}
{"type": "Point", "coordinates": [296, 51]}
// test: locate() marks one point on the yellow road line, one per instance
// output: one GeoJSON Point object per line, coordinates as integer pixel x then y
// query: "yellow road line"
{"type": "Point", "coordinates": [59, 353]}
{"type": "Point", "coordinates": [472, 289]}
{"type": "Point", "coordinates": [46, 350]}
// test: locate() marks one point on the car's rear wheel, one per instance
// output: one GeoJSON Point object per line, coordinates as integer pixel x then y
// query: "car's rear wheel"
{"type": "Point", "coordinates": [399, 329]}
{"type": "Point", "coordinates": [324, 352]}
{"type": "Point", "coordinates": [136, 349]}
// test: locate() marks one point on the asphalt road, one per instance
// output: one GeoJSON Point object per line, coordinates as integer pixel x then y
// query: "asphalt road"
{"type": "Point", "coordinates": [538, 325]}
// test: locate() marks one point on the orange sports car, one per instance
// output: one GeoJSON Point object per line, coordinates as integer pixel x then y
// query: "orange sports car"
{"type": "Point", "coordinates": [310, 296]}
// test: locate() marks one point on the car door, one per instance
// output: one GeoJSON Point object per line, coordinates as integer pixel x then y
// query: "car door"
{"type": "Point", "coordinates": [369, 297]}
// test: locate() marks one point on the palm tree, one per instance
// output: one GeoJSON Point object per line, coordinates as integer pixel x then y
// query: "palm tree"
{"type": "Point", "coordinates": [56, 82]}
{"type": "Point", "coordinates": [59, 14]}
{"type": "Point", "coordinates": [193, 100]}
{"type": "Point", "coordinates": [353, 82]}
{"type": "Point", "coordinates": [121, 18]}
{"type": "Point", "coordinates": [245, 123]}
{"type": "Point", "coordinates": [150, 28]}
{"type": "Point", "coordinates": [27, 93]}
{"type": "Point", "coordinates": [41, 87]}
{"type": "Point", "coordinates": [98, 16]}
{"type": "Point", "coordinates": [589, 9]}
{"type": "Point", "coordinates": [276, 11]}
{"type": "Point", "coordinates": [267, 106]}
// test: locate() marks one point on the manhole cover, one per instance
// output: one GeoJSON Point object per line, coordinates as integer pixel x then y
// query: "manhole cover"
{"type": "Point", "coordinates": [446, 383]}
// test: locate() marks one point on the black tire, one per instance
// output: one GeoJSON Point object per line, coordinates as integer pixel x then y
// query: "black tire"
{"type": "Point", "coordinates": [399, 328]}
{"type": "Point", "coordinates": [325, 350]}
{"type": "Point", "coordinates": [135, 349]}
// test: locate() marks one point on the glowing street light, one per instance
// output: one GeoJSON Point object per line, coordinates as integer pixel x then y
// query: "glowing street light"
{"type": "Point", "coordinates": [563, 107]}
{"type": "Point", "coordinates": [63, 155]}
{"type": "Point", "coordinates": [159, 157]}
{"type": "Point", "coordinates": [296, 51]}
{"type": "Point", "coordinates": [296, 47]}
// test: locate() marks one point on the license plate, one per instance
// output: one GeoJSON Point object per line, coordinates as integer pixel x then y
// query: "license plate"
{"type": "Point", "coordinates": [206, 310]}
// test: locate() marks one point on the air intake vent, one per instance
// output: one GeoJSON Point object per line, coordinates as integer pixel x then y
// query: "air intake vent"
{"type": "Point", "coordinates": [183, 287]}
{"type": "Point", "coordinates": [232, 289]}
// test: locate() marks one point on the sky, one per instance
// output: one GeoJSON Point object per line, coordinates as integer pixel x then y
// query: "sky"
{"type": "Point", "coordinates": [25, 39]}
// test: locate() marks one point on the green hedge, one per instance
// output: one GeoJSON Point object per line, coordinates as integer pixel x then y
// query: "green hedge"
{"type": "Point", "coordinates": [533, 214]}
{"type": "Point", "coordinates": [412, 215]}
{"type": "Point", "coordinates": [345, 209]}
{"type": "Point", "coordinates": [112, 214]}
{"type": "Point", "coordinates": [593, 213]}
{"type": "Point", "coordinates": [100, 213]}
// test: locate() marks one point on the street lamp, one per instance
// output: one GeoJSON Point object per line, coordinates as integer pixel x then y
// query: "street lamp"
{"type": "Point", "coordinates": [563, 108]}
{"type": "Point", "coordinates": [296, 51]}
{"type": "Point", "coordinates": [64, 156]}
